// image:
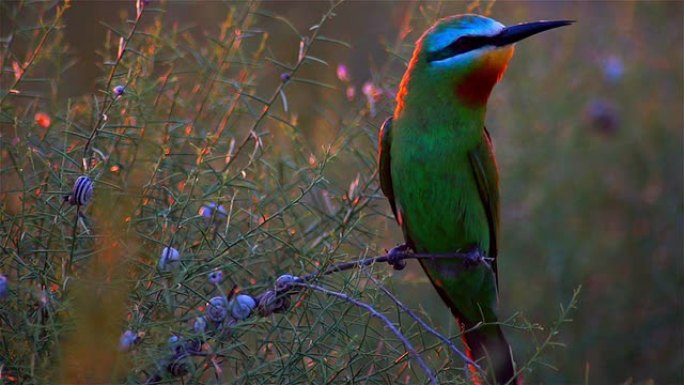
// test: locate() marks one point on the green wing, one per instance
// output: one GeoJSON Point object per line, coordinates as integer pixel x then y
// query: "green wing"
{"type": "Point", "coordinates": [384, 163]}
{"type": "Point", "coordinates": [487, 177]}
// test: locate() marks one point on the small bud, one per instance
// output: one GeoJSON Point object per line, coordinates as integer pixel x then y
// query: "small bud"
{"type": "Point", "coordinates": [284, 77]}
{"type": "Point", "coordinates": [119, 90]}
{"type": "Point", "coordinates": [242, 306]}
{"type": "Point", "coordinates": [42, 119]}
{"type": "Point", "coordinates": [351, 92]}
{"type": "Point", "coordinates": [217, 309]}
{"type": "Point", "coordinates": [3, 286]}
{"type": "Point", "coordinates": [200, 325]}
{"type": "Point", "coordinates": [127, 340]}
{"type": "Point", "coordinates": [169, 259]}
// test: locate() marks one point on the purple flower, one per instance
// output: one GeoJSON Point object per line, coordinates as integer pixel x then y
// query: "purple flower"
{"type": "Point", "coordinates": [343, 73]}
{"type": "Point", "coordinates": [351, 92]}
{"type": "Point", "coordinates": [216, 277]}
{"type": "Point", "coordinates": [613, 68]}
{"type": "Point", "coordinates": [119, 90]}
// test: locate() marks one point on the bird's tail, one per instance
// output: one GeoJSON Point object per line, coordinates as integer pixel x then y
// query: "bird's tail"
{"type": "Point", "coordinates": [487, 345]}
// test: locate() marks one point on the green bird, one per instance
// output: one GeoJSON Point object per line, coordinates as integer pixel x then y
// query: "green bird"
{"type": "Point", "coordinates": [437, 169]}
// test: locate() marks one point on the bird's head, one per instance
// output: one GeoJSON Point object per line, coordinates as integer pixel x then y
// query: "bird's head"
{"type": "Point", "coordinates": [467, 55]}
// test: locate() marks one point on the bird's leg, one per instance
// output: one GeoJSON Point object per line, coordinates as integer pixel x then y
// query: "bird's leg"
{"type": "Point", "coordinates": [394, 256]}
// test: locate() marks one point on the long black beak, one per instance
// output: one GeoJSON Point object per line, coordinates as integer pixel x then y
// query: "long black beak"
{"type": "Point", "coordinates": [507, 36]}
{"type": "Point", "coordinates": [518, 32]}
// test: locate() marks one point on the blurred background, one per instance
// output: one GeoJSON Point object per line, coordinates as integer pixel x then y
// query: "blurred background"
{"type": "Point", "coordinates": [588, 126]}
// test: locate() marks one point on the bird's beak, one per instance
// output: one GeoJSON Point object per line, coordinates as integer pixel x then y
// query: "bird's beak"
{"type": "Point", "coordinates": [510, 35]}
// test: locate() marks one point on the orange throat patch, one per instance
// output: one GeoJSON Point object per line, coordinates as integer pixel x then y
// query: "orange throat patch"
{"type": "Point", "coordinates": [475, 88]}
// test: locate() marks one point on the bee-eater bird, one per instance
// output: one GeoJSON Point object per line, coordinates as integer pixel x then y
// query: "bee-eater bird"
{"type": "Point", "coordinates": [437, 169]}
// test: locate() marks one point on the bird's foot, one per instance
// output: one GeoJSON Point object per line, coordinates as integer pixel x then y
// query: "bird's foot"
{"type": "Point", "coordinates": [474, 257]}
{"type": "Point", "coordinates": [395, 254]}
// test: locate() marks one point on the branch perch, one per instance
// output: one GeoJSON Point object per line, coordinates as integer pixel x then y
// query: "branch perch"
{"type": "Point", "coordinates": [277, 300]}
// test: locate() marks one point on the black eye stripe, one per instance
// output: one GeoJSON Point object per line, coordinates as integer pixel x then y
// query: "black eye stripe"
{"type": "Point", "coordinates": [461, 45]}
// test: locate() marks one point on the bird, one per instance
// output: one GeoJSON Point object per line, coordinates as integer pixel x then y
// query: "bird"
{"type": "Point", "coordinates": [437, 168]}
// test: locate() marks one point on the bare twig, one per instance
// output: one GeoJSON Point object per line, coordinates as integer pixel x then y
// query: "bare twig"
{"type": "Point", "coordinates": [382, 317]}
{"type": "Point", "coordinates": [400, 256]}
{"type": "Point", "coordinates": [424, 324]}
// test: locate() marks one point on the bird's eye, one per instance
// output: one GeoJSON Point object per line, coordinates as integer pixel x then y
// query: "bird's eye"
{"type": "Point", "coordinates": [461, 45]}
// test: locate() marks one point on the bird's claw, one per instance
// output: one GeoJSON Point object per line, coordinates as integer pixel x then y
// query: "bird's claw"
{"type": "Point", "coordinates": [395, 254]}
{"type": "Point", "coordinates": [474, 257]}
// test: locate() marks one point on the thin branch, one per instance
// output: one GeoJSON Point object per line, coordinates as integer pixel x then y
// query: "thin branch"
{"type": "Point", "coordinates": [424, 324]}
{"type": "Point", "coordinates": [399, 256]}
{"type": "Point", "coordinates": [382, 317]}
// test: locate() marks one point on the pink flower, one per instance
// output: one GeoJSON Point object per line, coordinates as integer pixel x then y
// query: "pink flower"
{"type": "Point", "coordinates": [342, 73]}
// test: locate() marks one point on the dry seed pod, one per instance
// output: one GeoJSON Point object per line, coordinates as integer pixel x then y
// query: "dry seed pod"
{"type": "Point", "coordinates": [82, 192]}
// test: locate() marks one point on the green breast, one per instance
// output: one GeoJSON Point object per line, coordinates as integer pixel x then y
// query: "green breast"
{"type": "Point", "coordinates": [436, 191]}
{"type": "Point", "coordinates": [437, 197]}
